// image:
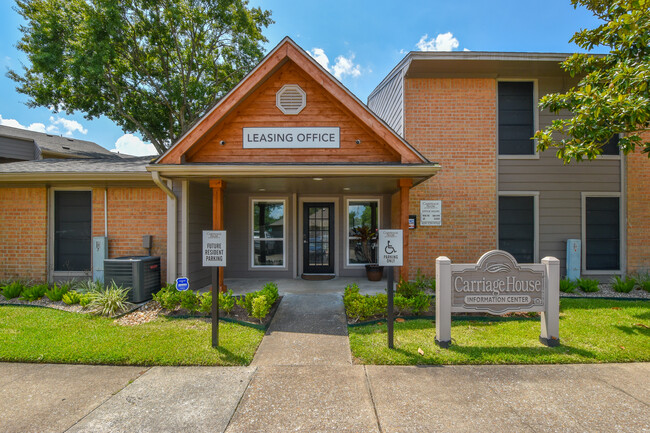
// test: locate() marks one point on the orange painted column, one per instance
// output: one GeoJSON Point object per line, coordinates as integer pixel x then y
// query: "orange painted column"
{"type": "Point", "coordinates": [405, 188]}
{"type": "Point", "coordinates": [218, 186]}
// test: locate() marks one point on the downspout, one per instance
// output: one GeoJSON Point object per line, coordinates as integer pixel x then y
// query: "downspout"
{"type": "Point", "coordinates": [106, 212]}
{"type": "Point", "coordinates": [172, 209]}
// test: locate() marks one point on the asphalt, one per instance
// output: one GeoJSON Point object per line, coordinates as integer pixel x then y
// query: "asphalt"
{"type": "Point", "coordinates": [303, 379]}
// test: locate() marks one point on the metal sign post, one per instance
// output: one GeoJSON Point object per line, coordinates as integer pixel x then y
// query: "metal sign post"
{"type": "Point", "coordinates": [214, 255]}
{"type": "Point", "coordinates": [390, 253]}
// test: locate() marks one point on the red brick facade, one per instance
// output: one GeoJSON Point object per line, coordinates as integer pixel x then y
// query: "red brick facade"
{"type": "Point", "coordinates": [23, 234]}
{"type": "Point", "coordinates": [453, 122]}
{"type": "Point", "coordinates": [132, 213]}
{"type": "Point", "coordinates": [638, 211]}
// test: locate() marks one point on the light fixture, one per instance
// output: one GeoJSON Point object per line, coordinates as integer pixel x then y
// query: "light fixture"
{"type": "Point", "coordinates": [347, 188]}
{"type": "Point", "coordinates": [222, 142]}
{"type": "Point", "coordinates": [358, 141]}
{"type": "Point", "coordinates": [318, 178]}
{"type": "Point", "coordinates": [262, 189]}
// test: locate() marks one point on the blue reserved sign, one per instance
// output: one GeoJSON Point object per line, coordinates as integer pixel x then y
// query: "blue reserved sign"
{"type": "Point", "coordinates": [182, 284]}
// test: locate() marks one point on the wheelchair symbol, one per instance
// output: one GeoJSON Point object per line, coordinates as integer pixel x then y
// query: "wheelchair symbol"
{"type": "Point", "coordinates": [389, 249]}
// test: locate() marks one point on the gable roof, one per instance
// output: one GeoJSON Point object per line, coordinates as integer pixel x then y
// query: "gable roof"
{"type": "Point", "coordinates": [288, 50]}
{"type": "Point", "coordinates": [51, 145]}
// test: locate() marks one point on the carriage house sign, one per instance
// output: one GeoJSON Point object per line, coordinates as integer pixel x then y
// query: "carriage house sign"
{"type": "Point", "coordinates": [292, 138]}
{"type": "Point", "coordinates": [497, 284]}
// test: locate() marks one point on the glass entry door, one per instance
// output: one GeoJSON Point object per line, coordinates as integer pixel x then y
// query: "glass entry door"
{"type": "Point", "coordinates": [318, 238]}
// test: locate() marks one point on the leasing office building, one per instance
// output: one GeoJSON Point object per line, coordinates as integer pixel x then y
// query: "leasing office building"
{"type": "Point", "coordinates": [290, 162]}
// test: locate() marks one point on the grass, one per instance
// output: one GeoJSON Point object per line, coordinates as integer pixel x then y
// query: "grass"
{"type": "Point", "coordinates": [591, 331]}
{"type": "Point", "coordinates": [29, 334]}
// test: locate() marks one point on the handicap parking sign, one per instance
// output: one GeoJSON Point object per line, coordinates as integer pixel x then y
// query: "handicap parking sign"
{"type": "Point", "coordinates": [182, 284]}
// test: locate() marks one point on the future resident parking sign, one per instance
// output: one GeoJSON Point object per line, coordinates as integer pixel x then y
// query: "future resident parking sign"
{"type": "Point", "coordinates": [390, 250]}
{"type": "Point", "coordinates": [214, 248]}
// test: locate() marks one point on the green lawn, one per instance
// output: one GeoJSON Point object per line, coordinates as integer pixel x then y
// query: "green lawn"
{"type": "Point", "coordinates": [591, 330]}
{"type": "Point", "coordinates": [46, 335]}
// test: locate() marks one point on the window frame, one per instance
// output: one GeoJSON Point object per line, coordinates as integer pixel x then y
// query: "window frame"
{"type": "Point", "coordinates": [612, 157]}
{"type": "Point", "coordinates": [583, 234]}
{"type": "Point", "coordinates": [52, 274]}
{"type": "Point", "coordinates": [535, 154]}
{"type": "Point", "coordinates": [252, 239]}
{"type": "Point", "coordinates": [349, 265]}
{"type": "Point", "coordinates": [535, 195]}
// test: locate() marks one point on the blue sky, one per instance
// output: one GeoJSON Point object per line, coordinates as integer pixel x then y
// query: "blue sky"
{"type": "Point", "coordinates": [359, 41]}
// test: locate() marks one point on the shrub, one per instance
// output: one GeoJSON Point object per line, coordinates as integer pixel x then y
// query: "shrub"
{"type": "Point", "coordinates": [643, 280]}
{"type": "Point", "coordinates": [168, 297]}
{"type": "Point", "coordinates": [588, 285]}
{"type": "Point", "coordinates": [261, 307]}
{"type": "Point", "coordinates": [55, 293]}
{"type": "Point", "coordinates": [205, 303]}
{"type": "Point", "coordinates": [419, 303]}
{"type": "Point", "coordinates": [567, 285]}
{"type": "Point", "coordinates": [34, 292]}
{"type": "Point", "coordinates": [423, 282]}
{"type": "Point", "coordinates": [270, 290]}
{"type": "Point", "coordinates": [407, 289]}
{"type": "Point", "coordinates": [13, 290]}
{"type": "Point", "coordinates": [401, 304]}
{"type": "Point", "coordinates": [623, 286]}
{"type": "Point", "coordinates": [109, 301]}
{"type": "Point", "coordinates": [84, 299]}
{"type": "Point", "coordinates": [226, 301]}
{"type": "Point", "coordinates": [361, 307]}
{"type": "Point", "coordinates": [71, 298]}
{"type": "Point", "coordinates": [246, 302]}
{"type": "Point", "coordinates": [189, 300]}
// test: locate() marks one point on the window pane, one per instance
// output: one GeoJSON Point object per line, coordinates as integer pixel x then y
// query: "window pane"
{"type": "Point", "coordinates": [362, 221]}
{"type": "Point", "coordinates": [72, 230]}
{"type": "Point", "coordinates": [603, 235]}
{"type": "Point", "coordinates": [268, 253]}
{"type": "Point", "coordinates": [516, 118]}
{"type": "Point", "coordinates": [517, 227]}
{"type": "Point", "coordinates": [611, 147]}
{"type": "Point", "coordinates": [268, 220]}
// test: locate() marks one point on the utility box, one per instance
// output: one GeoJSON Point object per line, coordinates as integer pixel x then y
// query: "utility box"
{"type": "Point", "coordinates": [100, 253]}
{"type": "Point", "coordinates": [573, 254]}
{"type": "Point", "coordinates": [140, 273]}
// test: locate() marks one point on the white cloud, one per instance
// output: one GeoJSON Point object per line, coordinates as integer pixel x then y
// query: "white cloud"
{"type": "Point", "coordinates": [442, 42]}
{"type": "Point", "coordinates": [344, 66]}
{"type": "Point", "coordinates": [69, 126]}
{"type": "Point", "coordinates": [38, 127]}
{"type": "Point", "coordinates": [132, 145]}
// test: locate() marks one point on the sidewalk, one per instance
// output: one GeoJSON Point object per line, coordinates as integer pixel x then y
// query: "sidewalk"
{"type": "Point", "coordinates": [571, 398]}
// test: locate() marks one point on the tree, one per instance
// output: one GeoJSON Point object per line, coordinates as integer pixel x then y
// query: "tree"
{"type": "Point", "coordinates": [151, 66]}
{"type": "Point", "coordinates": [612, 96]}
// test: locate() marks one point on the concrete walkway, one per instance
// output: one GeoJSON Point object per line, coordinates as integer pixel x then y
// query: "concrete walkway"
{"type": "Point", "coordinates": [346, 398]}
{"type": "Point", "coordinates": [307, 329]}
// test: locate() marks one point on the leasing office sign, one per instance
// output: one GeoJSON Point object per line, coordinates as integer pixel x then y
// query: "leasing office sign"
{"type": "Point", "coordinates": [292, 138]}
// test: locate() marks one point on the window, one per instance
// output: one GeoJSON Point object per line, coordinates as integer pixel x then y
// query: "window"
{"type": "Point", "coordinates": [268, 233]}
{"type": "Point", "coordinates": [611, 147]}
{"type": "Point", "coordinates": [602, 233]}
{"type": "Point", "coordinates": [72, 231]}
{"type": "Point", "coordinates": [363, 222]}
{"type": "Point", "coordinates": [516, 118]}
{"type": "Point", "coordinates": [517, 227]}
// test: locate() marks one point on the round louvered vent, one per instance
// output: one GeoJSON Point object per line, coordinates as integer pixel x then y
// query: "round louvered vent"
{"type": "Point", "coordinates": [291, 99]}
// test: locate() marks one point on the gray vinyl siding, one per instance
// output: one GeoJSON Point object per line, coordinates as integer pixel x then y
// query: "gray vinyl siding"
{"type": "Point", "coordinates": [200, 218]}
{"type": "Point", "coordinates": [13, 148]}
{"type": "Point", "coordinates": [559, 186]}
{"type": "Point", "coordinates": [388, 102]}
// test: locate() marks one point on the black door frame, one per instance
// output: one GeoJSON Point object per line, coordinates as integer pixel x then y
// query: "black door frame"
{"type": "Point", "coordinates": [306, 269]}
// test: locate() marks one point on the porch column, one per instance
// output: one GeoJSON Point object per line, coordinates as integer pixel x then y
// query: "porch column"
{"type": "Point", "coordinates": [218, 186]}
{"type": "Point", "coordinates": [404, 189]}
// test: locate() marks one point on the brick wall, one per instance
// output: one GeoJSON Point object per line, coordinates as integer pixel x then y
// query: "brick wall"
{"type": "Point", "coordinates": [453, 122]}
{"type": "Point", "coordinates": [23, 233]}
{"type": "Point", "coordinates": [638, 211]}
{"type": "Point", "coordinates": [132, 213]}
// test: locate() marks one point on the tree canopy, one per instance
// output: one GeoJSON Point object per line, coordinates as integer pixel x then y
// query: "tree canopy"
{"type": "Point", "coordinates": [612, 96]}
{"type": "Point", "coordinates": [151, 66]}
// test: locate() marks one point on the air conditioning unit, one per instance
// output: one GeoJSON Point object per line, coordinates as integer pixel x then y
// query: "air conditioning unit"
{"type": "Point", "coordinates": [140, 273]}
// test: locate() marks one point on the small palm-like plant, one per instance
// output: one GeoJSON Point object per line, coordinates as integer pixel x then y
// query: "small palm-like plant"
{"type": "Point", "coordinates": [110, 300]}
